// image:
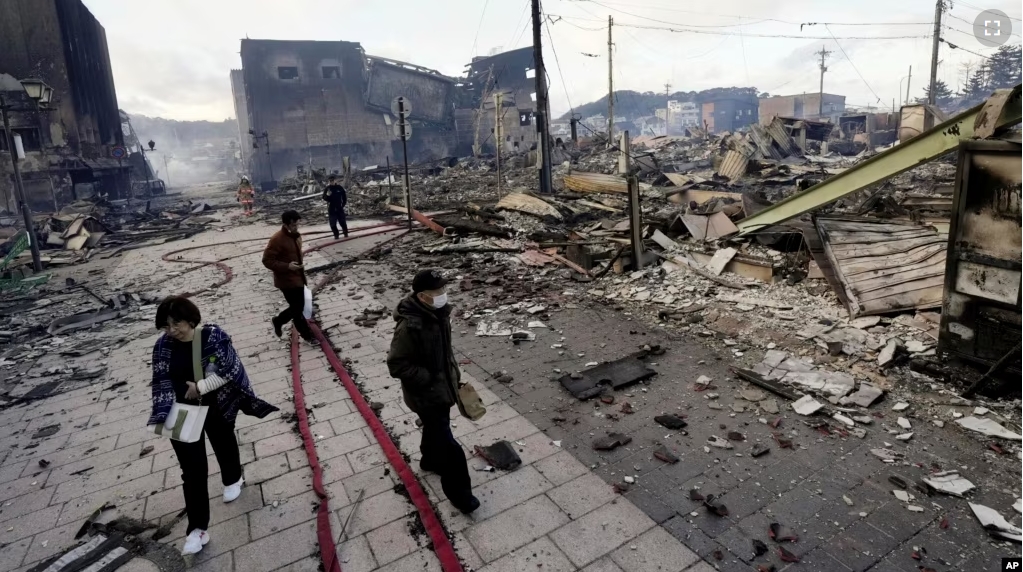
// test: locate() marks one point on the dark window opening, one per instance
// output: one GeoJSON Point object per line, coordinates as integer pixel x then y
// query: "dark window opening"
{"type": "Point", "coordinates": [29, 140]}
{"type": "Point", "coordinates": [287, 72]}
{"type": "Point", "coordinates": [331, 72]}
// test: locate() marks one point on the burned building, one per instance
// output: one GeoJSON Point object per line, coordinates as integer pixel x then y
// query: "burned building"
{"type": "Point", "coordinates": [729, 112]}
{"type": "Point", "coordinates": [803, 106]}
{"type": "Point", "coordinates": [68, 144]}
{"type": "Point", "coordinates": [512, 75]}
{"type": "Point", "coordinates": [318, 102]}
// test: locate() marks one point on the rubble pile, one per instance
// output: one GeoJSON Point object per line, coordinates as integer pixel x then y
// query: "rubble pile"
{"type": "Point", "coordinates": [97, 228]}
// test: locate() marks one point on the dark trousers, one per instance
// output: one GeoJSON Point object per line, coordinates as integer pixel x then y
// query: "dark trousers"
{"type": "Point", "coordinates": [443, 454]}
{"type": "Point", "coordinates": [194, 469]}
{"type": "Point", "coordinates": [293, 313]}
{"type": "Point", "coordinates": [336, 217]}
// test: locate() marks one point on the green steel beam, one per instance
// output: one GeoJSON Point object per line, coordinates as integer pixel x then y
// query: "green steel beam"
{"type": "Point", "coordinates": [924, 147]}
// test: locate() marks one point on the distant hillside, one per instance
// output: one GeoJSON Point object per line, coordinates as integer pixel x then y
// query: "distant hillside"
{"type": "Point", "coordinates": [635, 104]}
{"type": "Point", "coordinates": [176, 134]}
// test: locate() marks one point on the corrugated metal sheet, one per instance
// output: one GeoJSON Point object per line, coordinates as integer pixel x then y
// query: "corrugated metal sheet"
{"type": "Point", "coordinates": [782, 138]}
{"type": "Point", "coordinates": [764, 142]}
{"type": "Point", "coordinates": [882, 266]}
{"type": "Point", "coordinates": [599, 183]}
{"type": "Point", "coordinates": [733, 165]}
{"type": "Point", "coordinates": [528, 204]}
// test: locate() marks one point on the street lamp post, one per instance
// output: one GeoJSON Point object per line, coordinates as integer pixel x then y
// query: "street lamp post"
{"type": "Point", "coordinates": [41, 94]}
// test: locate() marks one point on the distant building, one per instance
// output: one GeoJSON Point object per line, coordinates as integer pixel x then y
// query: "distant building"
{"type": "Point", "coordinates": [804, 106]}
{"type": "Point", "coordinates": [67, 147]}
{"type": "Point", "coordinates": [689, 114]}
{"type": "Point", "coordinates": [729, 113]}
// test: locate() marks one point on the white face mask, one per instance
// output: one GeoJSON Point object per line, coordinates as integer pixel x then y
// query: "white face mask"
{"type": "Point", "coordinates": [440, 301]}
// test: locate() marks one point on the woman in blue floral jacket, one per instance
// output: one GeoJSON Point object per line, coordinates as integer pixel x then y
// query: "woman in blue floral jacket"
{"type": "Point", "coordinates": [225, 389]}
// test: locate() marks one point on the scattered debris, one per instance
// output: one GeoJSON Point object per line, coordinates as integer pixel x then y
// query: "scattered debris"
{"type": "Point", "coordinates": [612, 441]}
{"type": "Point", "coordinates": [988, 427]}
{"type": "Point", "coordinates": [501, 455]}
{"type": "Point", "coordinates": [673, 422]}
{"type": "Point", "coordinates": [616, 374]}
{"type": "Point", "coordinates": [949, 482]}
{"type": "Point", "coordinates": [995, 523]}
{"type": "Point", "coordinates": [806, 405]}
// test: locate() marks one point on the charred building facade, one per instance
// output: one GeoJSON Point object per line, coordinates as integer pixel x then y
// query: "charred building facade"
{"type": "Point", "coordinates": [68, 144]}
{"type": "Point", "coordinates": [318, 102]}
{"type": "Point", "coordinates": [510, 74]}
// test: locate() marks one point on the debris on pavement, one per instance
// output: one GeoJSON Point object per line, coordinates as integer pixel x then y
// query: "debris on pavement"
{"type": "Point", "coordinates": [501, 455]}
{"type": "Point", "coordinates": [673, 422]}
{"type": "Point", "coordinates": [806, 405]}
{"type": "Point", "coordinates": [995, 523]}
{"type": "Point", "coordinates": [616, 374]}
{"type": "Point", "coordinates": [988, 427]}
{"type": "Point", "coordinates": [949, 482]}
{"type": "Point", "coordinates": [662, 453]}
{"type": "Point", "coordinates": [611, 441]}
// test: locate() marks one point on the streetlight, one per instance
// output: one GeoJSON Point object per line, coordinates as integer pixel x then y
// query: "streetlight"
{"type": "Point", "coordinates": [907, 85]}
{"type": "Point", "coordinates": [266, 138]}
{"type": "Point", "coordinates": [41, 94]}
{"type": "Point", "coordinates": [145, 163]}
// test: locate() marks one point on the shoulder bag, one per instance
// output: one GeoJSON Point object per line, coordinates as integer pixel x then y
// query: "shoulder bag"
{"type": "Point", "coordinates": [185, 422]}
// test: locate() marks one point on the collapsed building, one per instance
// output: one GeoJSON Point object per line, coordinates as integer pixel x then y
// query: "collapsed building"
{"type": "Point", "coordinates": [67, 144]}
{"type": "Point", "coordinates": [312, 103]}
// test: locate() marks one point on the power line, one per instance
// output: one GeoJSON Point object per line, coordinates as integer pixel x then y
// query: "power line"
{"type": "Point", "coordinates": [558, 63]}
{"type": "Point", "coordinates": [723, 33]}
{"type": "Point", "coordinates": [979, 9]}
{"type": "Point", "coordinates": [759, 20]}
{"type": "Point", "coordinates": [951, 15]}
{"type": "Point", "coordinates": [479, 26]}
{"type": "Point", "coordinates": [854, 67]}
{"type": "Point", "coordinates": [525, 9]}
{"type": "Point", "coordinates": [955, 47]}
{"type": "Point", "coordinates": [742, 43]}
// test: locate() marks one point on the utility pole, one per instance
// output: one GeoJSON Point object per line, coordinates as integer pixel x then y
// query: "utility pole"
{"type": "Point", "coordinates": [610, 87]}
{"type": "Point", "coordinates": [939, 6]}
{"type": "Point", "coordinates": [824, 53]}
{"type": "Point", "coordinates": [543, 148]}
{"type": "Point", "coordinates": [667, 108]}
{"type": "Point", "coordinates": [909, 81]}
{"type": "Point", "coordinates": [498, 135]}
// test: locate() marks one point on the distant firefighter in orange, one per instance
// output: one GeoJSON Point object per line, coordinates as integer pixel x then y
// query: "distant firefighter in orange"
{"type": "Point", "coordinates": [246, 195]}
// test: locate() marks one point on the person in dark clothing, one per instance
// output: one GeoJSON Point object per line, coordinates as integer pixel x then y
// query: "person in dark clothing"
{"type": "Point", "coordinates": [283, 256]}
{"type": "Point", "coordinates": [225, 390]}
{"type": "Point", "coordinates": [337, 198]}
{"type": "Point", "coordinates": [422, 358]}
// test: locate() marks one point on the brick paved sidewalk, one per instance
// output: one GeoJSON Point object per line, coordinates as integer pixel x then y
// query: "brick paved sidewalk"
{"type": "Point", "coordinates": [552, 512]}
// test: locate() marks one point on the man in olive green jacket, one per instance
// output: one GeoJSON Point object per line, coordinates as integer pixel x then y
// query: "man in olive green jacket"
{"type": "Point", "coordinates": [422, 358]}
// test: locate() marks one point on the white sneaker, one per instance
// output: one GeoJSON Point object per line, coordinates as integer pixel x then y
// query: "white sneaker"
{"type": "Point", "coordinates": [232, 492]}
{"type": "Point", "coordinates": [195, 541]}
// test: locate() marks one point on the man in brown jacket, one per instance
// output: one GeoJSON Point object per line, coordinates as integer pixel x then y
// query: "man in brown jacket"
{"type": "Point", "coordinates": [283, 256]}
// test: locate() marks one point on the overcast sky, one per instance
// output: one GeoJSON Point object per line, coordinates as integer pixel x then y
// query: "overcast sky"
{"type": "Point", "coordinates": [171, 57]}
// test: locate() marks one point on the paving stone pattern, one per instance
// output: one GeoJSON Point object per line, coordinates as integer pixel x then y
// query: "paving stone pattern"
{"type": "Point", "coordinates": [552, 513]}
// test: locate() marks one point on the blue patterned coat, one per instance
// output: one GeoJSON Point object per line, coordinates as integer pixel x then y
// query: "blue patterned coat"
{"type": "Point", "coordinates": [235, 396]}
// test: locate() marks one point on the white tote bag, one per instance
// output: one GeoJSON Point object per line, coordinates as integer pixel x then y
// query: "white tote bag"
{"type": "Point", "coordinates": [185, 422]}
{"type": "Point", "coordinates": [307, 309]}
